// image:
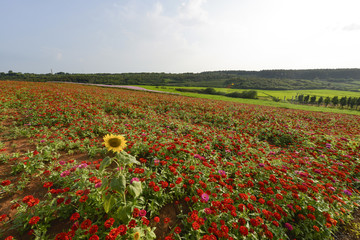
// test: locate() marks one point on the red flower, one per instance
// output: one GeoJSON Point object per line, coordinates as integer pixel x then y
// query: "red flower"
{"type": "Point", "coordinates": [62, 236]}
{"type": "Point", "coordinates": [68, 201]}
{"type": "Point", "coordinates": [311, 208]}
{"type": "Point", "coordinates": [157, 219]}
{"type": "Point", "coordinates": [112, 234]}
{"type": "Point", "coordinates": [242, 221]}
{"type": "Point", "coordinates": [5, 183]}
{"type": "Point", "coordinates": [167, 220]}
{"type": "Point", "coordinates": [74, 216]}
{"type": "Point", "coordinates": [59, 201]}
{"type": "Point", "coordinates": [254, 222]}
{"type": "Point", "coordinates": [122, 230]}
{"type": "Point", "coordinates": [79, 192]}
{"type": "Point", "coordinates": [164, 184]}
{"type": "Point", "coordinates": [224, 229]}
{"type": "Point", "coordinates": [156, 188]}
{"type": "Point", "coordinates": [145, 221]}
{"type": "Point", "coordinates": [30, 200]}
{"type": "Point", "coordinates": [94, 237]}
{"type": "Point", "coordinates": [243, 230]}
{"type": "Point", "coordinates": [195, 226]}
{"type": "Point", "coordinates": [75, 226]}
{"type": "Point", "coordinates": [316, 228]}
{"type": "Point", "coordinates": [277, 215]}
{"type": "Point", "coordinates": [85, 224]}
{"type": "Point", "coordinates": [93, 229]}
{"type": "Point", "coordinates": [135, 212]}
{"type": "Point", "coordinates": [243, 196]}
{"type": "Point", "coordinates": [15, 206]}
{"type": "Point", "coordinates": [83, 198]}
{"type": "Point", "coordinates": [280, 197]}
{"type": "Point", "coordinates": [177, 230]}
{"type": "Point", "coordinates": [2, 217]}
{"type": "Point", "coordinates": [9, 238]}
{"type": "Point", "coordinates": [108, 223]}
{"type": "Point", "coordinates": [48, 185]}
{"type": "Point", "coordinates": [34, 220]}
{"type": "Point", "coordinates": [132, 224]}
{"type": "Point", "coordinates": [269, 234]}
{"type": "Point", "coordinates": [275, 223]}
{"type": "Point", "coordinates": [241, 207]}
{"type": "Point", "coordinates": [27, 198]}
{"type": "Point", "coordinates": [310, 216]}
{"type": "Point", "coordinates": [179, 180]}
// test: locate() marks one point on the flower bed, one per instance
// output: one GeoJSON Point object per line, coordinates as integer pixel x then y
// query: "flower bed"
{"type": "Point", "coordinates": [232, 171]}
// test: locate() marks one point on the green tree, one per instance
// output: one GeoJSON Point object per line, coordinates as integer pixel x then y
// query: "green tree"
{"type": "Point", "coordinates": [348, 102]}
{"type": "Point", "coordinates": [306, 99]}
{"type": "Point", "coordinates": [343, 102]}
{"type": "Point", "coordinates": [301, 98]}
{"type": "Point", "coordinates": [335, 101]}
{"type": "Point", "coordinates": [357, 102]}
{"type": "Point", "coordinates": [320, 100]}
{"type": "Point", "coordinates": [353, 102]}
{"type": "Point", "coordinates": [313, 100]}
{"type": "Point", "coordinates": [327, 101]}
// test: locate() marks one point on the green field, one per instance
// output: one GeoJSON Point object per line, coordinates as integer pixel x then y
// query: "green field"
{"type": "Point", "coordinates": [265, 100]}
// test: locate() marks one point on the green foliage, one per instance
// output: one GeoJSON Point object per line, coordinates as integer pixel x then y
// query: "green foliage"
{"type": "Point", "coordinates": [277, 137]}
{"type": "Point", "coordinates": [252, 94]}
{"type": "Point", "coordinates": [341, 79]}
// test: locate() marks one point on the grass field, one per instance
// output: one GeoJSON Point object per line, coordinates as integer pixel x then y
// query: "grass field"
{"type": "Point", "coordinates": [276, 93]}
{"type": "Point", "coordinates": [265, 100]}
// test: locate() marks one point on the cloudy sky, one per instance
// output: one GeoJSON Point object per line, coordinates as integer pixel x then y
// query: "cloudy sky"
{"type": "Point", "coordinates": [114, 36]}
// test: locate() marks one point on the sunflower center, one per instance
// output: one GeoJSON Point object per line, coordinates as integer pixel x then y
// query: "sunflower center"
{"type": "Point", "coordinates": [114, 142]}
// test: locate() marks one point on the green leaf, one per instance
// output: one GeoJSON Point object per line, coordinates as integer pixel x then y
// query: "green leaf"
{"type": "Point", "coordinates": [152, 234]}
{"type": "Point", "coordinates": [135, 189]}
{"type": "Point", "coordinates": [118, 184]}
{"type": "Point", "coordinates": [104, 163]}
{"type": "Point", "coordinates": [128, 159]}
{"type": "Point", "coordinates": [124, 213]}
{"type": "Point", "coordinates": [104, 184]}
{"type": "Point", "coordinates": [108, 202]}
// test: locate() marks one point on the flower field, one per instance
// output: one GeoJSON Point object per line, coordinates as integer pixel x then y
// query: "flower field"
{"type": "Point", "coordinates": [84, 162]}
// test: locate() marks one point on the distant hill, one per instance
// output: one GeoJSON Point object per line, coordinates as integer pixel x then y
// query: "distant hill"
{"type": "Point", "coordinates": [337, 79]}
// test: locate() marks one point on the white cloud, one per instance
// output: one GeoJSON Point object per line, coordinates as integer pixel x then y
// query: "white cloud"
{"type": "Point", "coordinates": [59, 56]}
{"type": "Point", "coordinates": [352, 27]}
{"type": "Point", "coordinates": [192, 12]}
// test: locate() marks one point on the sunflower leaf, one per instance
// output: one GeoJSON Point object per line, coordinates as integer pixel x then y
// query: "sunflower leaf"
{"type": "Point", "coordinates": [123, 213]}
{"type": "Point", "coordinates": [135, 189]}
{"type": "Point", "coordinates": [108, 202]}
{"type": "Point", "coordinates": [104, 163]}
{"type": "Point", "coordinates": [128, 159]}
{"type": "Point", "coordinates": [118, 184]}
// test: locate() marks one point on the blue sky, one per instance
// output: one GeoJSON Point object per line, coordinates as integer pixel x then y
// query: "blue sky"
{"type": "Point", "coordinates": [90, 36]}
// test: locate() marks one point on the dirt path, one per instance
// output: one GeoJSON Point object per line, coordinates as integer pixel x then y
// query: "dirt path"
{"type": "Point", "coordinates": [123, 86]}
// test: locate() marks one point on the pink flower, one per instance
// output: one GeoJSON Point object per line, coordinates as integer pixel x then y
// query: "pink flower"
{"type": "Point", "coordinates": [135, 179]}
{"type": "Point", "coordinates": [205, 197]}
{"type": "Point", "coordinates": [65, 173]}
{"type": "Point", "coordinates": [142, 213]}
{"type": "Point", "coordinates": [289, 226]}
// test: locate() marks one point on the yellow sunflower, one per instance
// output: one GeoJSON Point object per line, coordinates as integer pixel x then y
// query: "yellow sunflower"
{"type": "Point", "coordinates": [115, 143]}
{"type": "Point", "coordinates": [137, 236]}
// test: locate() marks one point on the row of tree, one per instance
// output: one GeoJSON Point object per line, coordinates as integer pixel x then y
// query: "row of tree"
{"type": "Point", "coordinates": [339, 79]}
{"type": "Point", "coordinates": [349, 102]}
{"type": "Point", "coordinates": [252, 94]}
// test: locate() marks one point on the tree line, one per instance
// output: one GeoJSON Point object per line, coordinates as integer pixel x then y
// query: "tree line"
{"type": "Point", "coordinates": [252, 94]}
{"type": "Point", "coordinates": [342, 102]}
{"type": "Point", "coordinates": [337, 79]}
